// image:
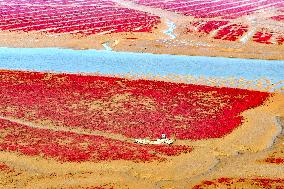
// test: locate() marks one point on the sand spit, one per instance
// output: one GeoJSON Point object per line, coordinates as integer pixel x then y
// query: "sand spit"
{"type": "Point", "coordinates": [276, 154]}
{"type": "Point", "coordinates": [249, 163]}
{"type": "Point", "coordinates": [235, 155]}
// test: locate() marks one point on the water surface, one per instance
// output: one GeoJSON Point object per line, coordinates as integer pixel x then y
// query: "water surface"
{"type": "Point", "coordinates": [140, 64]}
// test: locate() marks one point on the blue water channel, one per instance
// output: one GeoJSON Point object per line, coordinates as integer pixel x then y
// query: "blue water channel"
{"type": "Point", "coordinates": [140, 64]}
{"type": "Point", "coordinates": [170, 30]}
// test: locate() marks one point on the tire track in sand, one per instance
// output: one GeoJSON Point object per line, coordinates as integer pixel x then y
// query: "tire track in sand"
{"type": "Point", "coordinates": [67, 129]}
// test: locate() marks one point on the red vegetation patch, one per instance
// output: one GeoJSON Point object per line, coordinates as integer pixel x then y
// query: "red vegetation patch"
{"type": "Point", "coordinates": [212, 9]}
{"type": "Point", "coordinates": [209, 26]}
{"type": "Point", "coordinates": [92, 187]}
{"type": "Point", "coordinates": [261, 183]}
{"type": "Point", "coordinates": [278, 18]}
{"type": "Point", "coordinates": [68, 146]}
{"type": "Point", "coordinates": [212, 25]}
{"type": "Point", "coordinates": [269, 183]}
{"type": "Point", "coordinates": [266, 37]}
{"type": "Point", "coordinates": [77, 16]}
{"type": "Point", "coordinates": [226, 11]}
{"type": "Point", "coordinates": [136, 109]}
{"type": "Point", "coordinates": [231, 32]}
{"type": "Point", "coordinates": [275, 160]}
{"type": "Point", "coordinates": [280, 39]}
{"type": "Point", "coordinates": [4, 167]}
{"type": "Point", "coordinates": [262, 37]}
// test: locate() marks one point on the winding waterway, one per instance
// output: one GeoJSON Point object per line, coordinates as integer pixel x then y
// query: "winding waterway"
{"type": "Point", "coordinates": [171, 29]}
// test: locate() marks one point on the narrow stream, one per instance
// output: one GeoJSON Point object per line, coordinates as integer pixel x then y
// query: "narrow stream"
{"type": "Point", "coordinates": [170, 30]}
{"type": "Point", "coordinates": [106, 46]}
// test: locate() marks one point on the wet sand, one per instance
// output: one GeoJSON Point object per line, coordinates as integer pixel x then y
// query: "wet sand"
{"type": "Point", "coordinates": [145, 43]}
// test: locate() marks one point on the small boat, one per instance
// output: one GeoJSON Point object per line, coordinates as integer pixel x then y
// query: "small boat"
{"type": "Point", "coordinates": [163, 140]}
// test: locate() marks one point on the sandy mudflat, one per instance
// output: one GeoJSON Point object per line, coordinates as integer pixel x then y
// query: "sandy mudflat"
{"type": "Point", "coordinates": [237, 155]}
{"type": "Point", "coordinates": [142, 43]}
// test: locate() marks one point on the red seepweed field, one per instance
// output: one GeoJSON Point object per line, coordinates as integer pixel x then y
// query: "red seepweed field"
{"type": "Point", "coordinates": [76, 17]}
{"type": "Point", "coordinates": [76, 147]}
{"type": "Point", "coordinates": [212, 8]}
{"type": "Point", "coordinates": [79, 131]}
{"type": "Point", "coordinates": [225, 19]}
{"type": "Point", "coordinates": [229, 20]}
{"type": "Point", "coordinates": [132, 108]}
{"type": "Point", "coordinates": [240, 28]}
